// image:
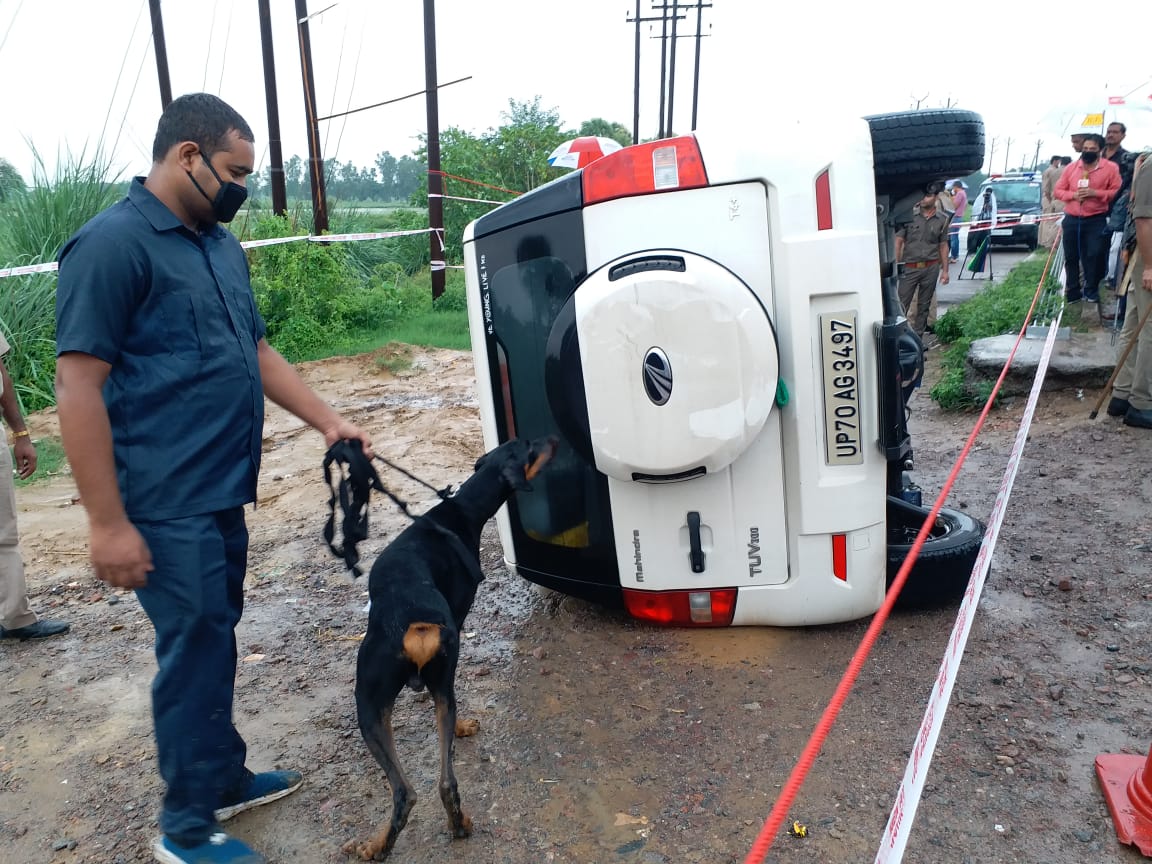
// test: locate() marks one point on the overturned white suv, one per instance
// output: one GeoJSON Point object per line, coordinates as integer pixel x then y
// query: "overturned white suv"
{"type": "Point", "coordinates": [710, 325]}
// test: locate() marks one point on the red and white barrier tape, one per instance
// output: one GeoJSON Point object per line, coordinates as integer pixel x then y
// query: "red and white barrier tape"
{"type": "Point", "coordinates": [985, 225]}
{"type": "Point", "coordinates": [51, 266]}
{"type": "Point", "coordinates": [899, 827]}
{"type": "Point", "coordinates": [28, 269]}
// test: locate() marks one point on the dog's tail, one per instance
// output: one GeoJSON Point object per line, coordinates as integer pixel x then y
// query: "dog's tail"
{"type": "Point", "coordinates": [421, 642]}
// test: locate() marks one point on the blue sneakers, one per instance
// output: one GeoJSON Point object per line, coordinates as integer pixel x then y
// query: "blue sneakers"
{"type": "Point", "coordinates": [265, 788]}
{"type": "Point", "coordinates": [217, 849]}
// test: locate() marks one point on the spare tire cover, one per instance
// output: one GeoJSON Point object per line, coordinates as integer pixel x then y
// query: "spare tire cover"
{"type": "Point", "coordinates": [680, 365]}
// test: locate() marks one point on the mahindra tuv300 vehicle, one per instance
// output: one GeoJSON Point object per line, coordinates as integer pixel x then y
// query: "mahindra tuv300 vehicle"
{"type": "Point", "coordinates": [710, 325]}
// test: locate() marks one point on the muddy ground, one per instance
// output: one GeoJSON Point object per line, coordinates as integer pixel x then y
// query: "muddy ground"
{"type": "Point", "coordinates": [601, 739]}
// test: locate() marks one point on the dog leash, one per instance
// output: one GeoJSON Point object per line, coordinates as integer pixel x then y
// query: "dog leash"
{"type": "Point", "coordinates": [444, 493]}
{"type": "Point", "coordinates": [353, 490]}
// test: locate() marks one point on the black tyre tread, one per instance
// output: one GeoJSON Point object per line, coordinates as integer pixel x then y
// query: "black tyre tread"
{"type": "Point", "coordinates": [911, 148]}
{"type": "Point", "coordinates": [941, 572]}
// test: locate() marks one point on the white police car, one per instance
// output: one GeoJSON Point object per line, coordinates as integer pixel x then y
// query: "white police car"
{"type": "Point", "coordinates": [1016, 208]}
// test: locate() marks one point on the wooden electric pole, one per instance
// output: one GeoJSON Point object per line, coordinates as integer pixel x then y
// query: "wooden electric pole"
{"type": "Point", "coordinates": [438, 255]}
{"type": "Point", "coordinates": [275, 154]}
{"type": "Point", "coordinates": [636, 86]}
{"type": "Point", "coordinates": [161, 53]}
{"type": "Point", "coordinates": [663, 65]}
{"type": "Point", "coordinates": [672, 68]}
{"type": "Point", "coordinates": [315, 159]}
{"type": "Point", "coordinates": [636, 83]}
{"type": "Point", "coordinates": [696, 66]}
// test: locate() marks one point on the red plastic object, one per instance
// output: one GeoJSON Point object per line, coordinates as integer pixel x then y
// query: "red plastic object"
{"type": "Point", "coordinates": [1127, 784]}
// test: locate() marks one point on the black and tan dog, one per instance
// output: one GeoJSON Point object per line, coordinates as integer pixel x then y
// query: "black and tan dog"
{"type": "Point", "coordinates": [422, 587]}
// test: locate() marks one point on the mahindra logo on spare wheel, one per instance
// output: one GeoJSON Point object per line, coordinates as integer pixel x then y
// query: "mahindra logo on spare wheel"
{"type": "Point", "coordinates": [657, 376]}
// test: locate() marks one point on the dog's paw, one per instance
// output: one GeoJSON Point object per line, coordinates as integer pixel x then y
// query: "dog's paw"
{"type": "Point", "coordinates": [467, 728]}
{"type": "Point", "coordinates": [465, 829]}
{"type": "Point", "coordinates": [365, 850]}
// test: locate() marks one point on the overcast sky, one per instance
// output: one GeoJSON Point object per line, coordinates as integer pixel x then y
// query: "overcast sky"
{"type": "Point", "coordinates": [76, 72]}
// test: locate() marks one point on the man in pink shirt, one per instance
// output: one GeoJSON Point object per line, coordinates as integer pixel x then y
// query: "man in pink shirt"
{"type": "Point", "coordinates": [1087, 187]}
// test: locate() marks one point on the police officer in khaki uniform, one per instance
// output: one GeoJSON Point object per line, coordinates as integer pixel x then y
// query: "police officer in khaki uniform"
{"type": "Point", "coordinates": [1132, 390]}
{"type": "Point", "coordinates": [922, 249]}
{"type": "Point", "coordinates": [17, 620]}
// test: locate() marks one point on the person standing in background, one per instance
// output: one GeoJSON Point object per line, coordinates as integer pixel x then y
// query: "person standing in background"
{"type": "Point", "coordinates": [960, 202]}
{"type": "Point", "coordinates": [1087, 187]}
{"type": "Point", "coordinates": [17, 620]}
{"type": "Point", "coordinates": [1048, 202]}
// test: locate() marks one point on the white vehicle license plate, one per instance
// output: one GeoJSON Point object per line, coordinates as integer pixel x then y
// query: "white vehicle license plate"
{"type": "Point", "coordinates": [840, 354]}
{"type": "Point", "coordinates": [1001, 232]}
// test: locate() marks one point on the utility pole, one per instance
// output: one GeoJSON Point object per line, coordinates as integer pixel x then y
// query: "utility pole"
{"type": "Point", "coordinates": [636, 84]}
{"type": "Point", "coordinates": [435, 179]}
{"type": "Point", "coordinates": [1007, 150]}
{"type": "Point", "coordinates": [992, 153]}
{"type": "Point", "coordinates": [276, 167]}
{"type": "Point", "coordinates": [696, 66]}
{"type": "Point", "coordinates": [672, 68]}
{"type": "Point", "coordinates": [918, 101]}
{"type": "Point", "coordinates": [315, 160]}
{"type": "Point", "coordinates": [663, 65]}
{"type": "Point", "coordinates": [636, 87]}
{"type": "Point", "coordinates": [665, 89]}
{"type": "Point", "coordinates": [161, 53]}
{"type": "Point", "coordinates": [1036, 158]}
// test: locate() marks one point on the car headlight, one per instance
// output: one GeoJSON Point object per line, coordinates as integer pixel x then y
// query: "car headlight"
{"type": "Point", "coordinates": [1028, 219]}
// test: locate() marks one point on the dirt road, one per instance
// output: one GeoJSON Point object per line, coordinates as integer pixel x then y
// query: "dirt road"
{"type": "Point", "coordinates": [603, 740]}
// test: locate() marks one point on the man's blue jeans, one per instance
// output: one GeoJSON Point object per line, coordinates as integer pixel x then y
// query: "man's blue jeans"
{"type": "Point", "coordinates": [954, 243]}
{"type": "Point", "coordinates": [194, 598]}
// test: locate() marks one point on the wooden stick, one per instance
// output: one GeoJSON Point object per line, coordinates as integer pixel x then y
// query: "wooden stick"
{"type": "Point", "coordinates": [1131, 342]}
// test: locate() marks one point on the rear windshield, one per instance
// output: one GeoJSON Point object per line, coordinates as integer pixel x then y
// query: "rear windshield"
{"type": "Point", "coordinates": [1024, 193]}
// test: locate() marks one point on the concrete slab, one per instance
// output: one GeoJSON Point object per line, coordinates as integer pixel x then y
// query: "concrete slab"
{"type": "Point", "coordinates": [1085, 360]}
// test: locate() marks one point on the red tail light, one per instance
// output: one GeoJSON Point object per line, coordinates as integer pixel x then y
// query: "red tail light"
{"type": "Point", "coordinates": [713, 608]}
{"type": "Point", "coordinates": [840, 557]}
{"type": "Point", "coordinates": [823, 201]}
{"type": "Point", "coordinates": [659, 166]}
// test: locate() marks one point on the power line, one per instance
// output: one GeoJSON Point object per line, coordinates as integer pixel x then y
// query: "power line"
{"type": "Point", "coordinates": [390, 101]}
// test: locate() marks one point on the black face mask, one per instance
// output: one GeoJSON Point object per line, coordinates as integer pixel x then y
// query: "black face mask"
{"type": "Point", "coordinates": [1089, 156]}
{"type": "Point", "coordinates": [230, 197]}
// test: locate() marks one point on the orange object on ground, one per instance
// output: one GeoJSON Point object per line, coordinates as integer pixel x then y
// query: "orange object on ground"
{"type": "Point", "coordinates": [1127, 785]}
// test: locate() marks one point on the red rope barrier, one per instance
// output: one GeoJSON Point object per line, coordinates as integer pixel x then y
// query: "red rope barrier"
{"type": "Point", "coordinates": [811, 750]}
{"type": "Point", "coordinates": [476, 182]}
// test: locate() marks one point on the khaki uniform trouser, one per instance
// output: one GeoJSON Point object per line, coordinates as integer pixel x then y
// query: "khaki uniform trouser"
{"type": "Point", "coordinates": [932, 311]}
{"type": "Point", "coordinates": [1047, 227]}
{"type": "Point", "coordinates": [918, 283]}
{"type": "Point", "coordinates": [14, 609]}
{"type": "Point", "coordinates": [1134, 380]}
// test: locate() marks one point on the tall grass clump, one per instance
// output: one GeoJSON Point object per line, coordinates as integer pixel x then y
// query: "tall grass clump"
{"type": "Point", "coordinates": [34, 224]}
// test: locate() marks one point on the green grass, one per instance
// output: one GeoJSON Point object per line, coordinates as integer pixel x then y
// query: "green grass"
{"type": "Point", "coordinates": [998, 309]}
{"type": "Point", "coordinates": [436, 329]}
{"type": "Point", "coordinates": [33, 225]}
{"type": "Point", "coordinates": [50, 461]}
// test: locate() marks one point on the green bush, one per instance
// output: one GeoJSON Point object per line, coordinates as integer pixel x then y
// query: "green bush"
{"type": "Point", "coordinates": [1000, 308]}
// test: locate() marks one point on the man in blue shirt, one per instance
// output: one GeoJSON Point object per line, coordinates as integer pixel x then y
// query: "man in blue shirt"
{"type": "Point", "coordinates": [162, 371]}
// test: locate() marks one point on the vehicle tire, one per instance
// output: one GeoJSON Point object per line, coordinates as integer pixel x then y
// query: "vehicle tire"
{"type": "Point", "coordinates": [941, 572]}
{"type": "Point", "coordinates": [1033, 241]}
{"type": "Point", "coordinates": [913, 148]}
